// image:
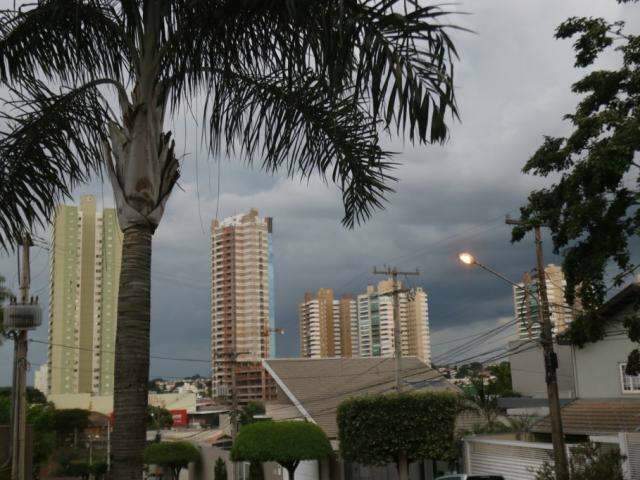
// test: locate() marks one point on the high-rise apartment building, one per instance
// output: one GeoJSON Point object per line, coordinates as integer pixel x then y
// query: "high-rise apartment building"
{"type": "Point", "coordinates": [525, 300]}
{"type": "Point", "coordinates": [242, 304]}
{"type": "Point", "coordinates": [83, 306]}
{"type": "Point", "coordinates": [376, 322]}
{"type": "Point", "coordinates": [327, 325]}
{"type": "Point", "coordinates": [364, 327]}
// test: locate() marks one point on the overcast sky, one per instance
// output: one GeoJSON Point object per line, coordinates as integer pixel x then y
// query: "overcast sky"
{"type": "Point", "coordinates": [513, 85]}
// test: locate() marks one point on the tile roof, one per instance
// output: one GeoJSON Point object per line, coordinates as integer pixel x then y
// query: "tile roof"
{"type": "Point", "coordinates": [597, 417]}
{"type": "Point", "coordinates": [318, 386]}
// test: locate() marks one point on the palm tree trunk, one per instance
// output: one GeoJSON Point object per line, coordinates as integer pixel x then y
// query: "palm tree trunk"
{"type": "Point", "coordinates": [132, 355]}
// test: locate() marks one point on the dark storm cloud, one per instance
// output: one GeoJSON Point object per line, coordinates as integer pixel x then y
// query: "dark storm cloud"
{"type": "Point", "coordinates": [513, 86]}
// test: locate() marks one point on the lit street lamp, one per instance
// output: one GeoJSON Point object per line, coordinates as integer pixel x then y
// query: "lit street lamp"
{"type": "Point", "coordinates": [468, 259]}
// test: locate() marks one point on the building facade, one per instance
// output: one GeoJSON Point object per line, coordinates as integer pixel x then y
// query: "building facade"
{"type": "Point", "coordinates": [525, 302]}
{"type": "Point", "coordinates": [242, 304]}
{"type": "Point", "coordinates": [364, 326]}
{"type": "Point", "coordinates": [85, 271]}
{"type": "Point", "coordinates": [327, 325]}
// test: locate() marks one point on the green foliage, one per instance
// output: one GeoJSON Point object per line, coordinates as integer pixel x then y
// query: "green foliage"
{"type": "Point", "coordinates": [172, 455]}
{"type": "Point", "coordinates": [66, 422]}
{"type": "Point", "coordinates": [33, 394]}
{"type": "Point", "coordinates": [588, 462]}
{"type": "Point", "coordinates": [40, 417]}
{"type": "Point", "coordinates": [249, 411]}
{"type": "Point", "coordinates": [158, 418]}
{"type": "Point", "coordinates": [220, 470]}
{"type": "Point", "coordinates": [469, 370]}
{"type": "Point", "coordinates": [5, 410]}
{"type": "Point", "coordinates": [479, 398]}
{"type": "Point", "coordinates": [375, 430]}
{"type": "Point", "coordinates": [256, 472]}
{"type": "Point", "coordinates": [501, 385]}
{"type": "Point", "coordinates": [592, 209]}
{"type": "Point", "coordinates": [286, 443]}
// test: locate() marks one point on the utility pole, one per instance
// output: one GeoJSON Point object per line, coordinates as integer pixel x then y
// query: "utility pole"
{"type": "Point", "coordinates": [403, 462]}
{"type": "Point", "coordinates": [397, 344]}
{"type": "Point", "coordinates": [550, 360]}
{"type": "Point", "coordinates": [19, 424]}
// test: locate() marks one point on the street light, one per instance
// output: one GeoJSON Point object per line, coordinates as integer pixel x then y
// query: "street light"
{"type": "Point", "coordinates": [466, 258]}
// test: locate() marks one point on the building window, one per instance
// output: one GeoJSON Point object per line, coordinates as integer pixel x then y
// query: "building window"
{"type": "Point", "coordinates": [630, 384]}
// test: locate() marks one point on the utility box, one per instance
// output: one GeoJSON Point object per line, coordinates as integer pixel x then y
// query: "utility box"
{"type": "Point", "coordinates": [19, 316]}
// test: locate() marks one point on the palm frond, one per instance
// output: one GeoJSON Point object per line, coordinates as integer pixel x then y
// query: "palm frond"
{"type": "Point", "coordinates": [296, 124]}
{"type": "Point", "coordinates": [68, 40]}
{"type": "Point", "coordinates": [388, 62]}
{"type": "Point", "coordinates": [51, 143]}
{"type": "Point", "coordinates": [394, 55]}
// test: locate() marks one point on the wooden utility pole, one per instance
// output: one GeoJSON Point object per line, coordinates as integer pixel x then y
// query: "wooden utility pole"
{"type": "Point", "coordinates": [19, 424]}
{"type": "Point", "coordinates": [403, 462]}
{"type": "Point", "coordinates": [550, 361]}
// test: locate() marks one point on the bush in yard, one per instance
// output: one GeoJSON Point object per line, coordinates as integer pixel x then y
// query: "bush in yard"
{"type": "Point", "coordinates": [220, 470]}
{"type": "Point", "coordinates": [382, 429]}
{"type": "Point", "coordinates": [287, 443]}
{"type": "Point", "coordinates": [171, 455]}
{"type": "Point", "coordinates": [588, 462]}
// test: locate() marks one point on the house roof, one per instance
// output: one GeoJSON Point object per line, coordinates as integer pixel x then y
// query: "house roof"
{"type": "Point", "coordinates": [624, 297]}
{"type": "Point", "coordinates": [317, 386]}
{"type": "Point", "coordinates": [597, 417]}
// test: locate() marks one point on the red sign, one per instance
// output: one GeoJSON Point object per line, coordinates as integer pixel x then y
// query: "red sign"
{"type": "Point", "coordinates": [180, 418]}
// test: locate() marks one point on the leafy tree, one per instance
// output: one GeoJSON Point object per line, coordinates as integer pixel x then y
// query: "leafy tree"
{"type": "Point", "coordinates": [159, 418]}
{"type": "Point", "coordinates": [287, 443]}
{"type": "Point", "coordinates": [413, 425]}
{"type": "Point", "coordinates": [481, 400]}
{"type": "Point", "coordinates": [40, 416]}
{"type": "Point", "coordinates": [171, 455]}
{"type": "Point", "coordinates": [300, 86]}
{"type": "Point", "coordinates": [502, 383]}
{"type": "Point", "coordinates": [249, 411]}
{"type": "Point", "coordinates": [68, 423]}
{"type": "Point", "coordinates": [256, 471]}
{"type": "Point", "coordinates": [5, 410]}
{"type": "Point", "coordinates": [588, 462]}
{"type": "Point", "coordinates": [4, 293]}
{"type": "Point", "coordinates": [220, 470]}
{"type": "Point", "coordinates": [592, 210]}
{"type": "Point", "coordinates": [33, 394]}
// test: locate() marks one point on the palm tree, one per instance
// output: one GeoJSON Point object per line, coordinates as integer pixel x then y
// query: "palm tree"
{"type": "Point", "coordinates": [304, 86]}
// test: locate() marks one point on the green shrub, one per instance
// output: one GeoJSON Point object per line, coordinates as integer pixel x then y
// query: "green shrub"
{"type": "Point", "coordinates": [376, 430]}
{"type": "Point", "coordinates": [588, 462]}
{"type": "Point", "coordinates": [172, 455]}
{"type": "Point", "coordinates": [220, 470]}
{"type": "Point", "coordinates": [287, 443]}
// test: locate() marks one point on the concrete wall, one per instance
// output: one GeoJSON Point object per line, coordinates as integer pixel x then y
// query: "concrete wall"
{"type": "Point", "coordinates": [104, 403]}
{"type": "Point", "coordinates": [598, 365]}
{"type": "Point", "coordinates": [527, 370]}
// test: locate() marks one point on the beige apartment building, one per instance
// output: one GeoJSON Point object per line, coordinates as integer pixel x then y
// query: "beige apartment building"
{"type": "Point", "coordinates": [364, 327]}
{"type": "Point", "coordinates": [327, 325]}
{"type": "Point", "coordinates": [525, 301]}
{"type": "Point", "coordinates": [242, 304]}
{"type": "Point", "coordinates": [85, 271]}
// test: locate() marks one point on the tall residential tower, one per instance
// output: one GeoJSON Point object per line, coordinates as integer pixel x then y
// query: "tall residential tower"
{"type": "Point", "coordinates": [525, 302]}
{"type": "Point", "coordinates": [364, 327]}
{"type": "Point", "coordinates": [328, 326]}
{"type": "Point", "coordinates": [242, 303]}
{"type": "Point", "coordinates": [85, 271]}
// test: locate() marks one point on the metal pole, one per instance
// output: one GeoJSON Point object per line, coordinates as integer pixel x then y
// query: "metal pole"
{"type": "Point", "coordinates": [396, 331]}
{"type": "Point", "coordinates": [18, 459]}
{"type": "Point", "coordinates": [109, 446]}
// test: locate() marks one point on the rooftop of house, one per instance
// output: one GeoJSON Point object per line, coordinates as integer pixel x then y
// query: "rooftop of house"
{"type": "Point", "coordinates": [317, 386]}
{"type": "Point", "coordinates": [597, 417]}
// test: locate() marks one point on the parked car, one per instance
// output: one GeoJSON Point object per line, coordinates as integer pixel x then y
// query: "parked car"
{"type": "Point", "coordinates": [464, 476]}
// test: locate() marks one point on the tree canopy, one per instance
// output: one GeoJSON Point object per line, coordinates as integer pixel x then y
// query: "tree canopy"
{"type": "Point", "coordinates": [286, 442]}
{"type": "Point", "coordinates": [249, 411]}
{"type": "Point", "coordinates": [172, 455]}
{"type": "Point", "coordinates": [159, 418]}
{"type": "Point", "coordinates": [418, 425]}
{"type": "Point", "coordinates": [592, 209]}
